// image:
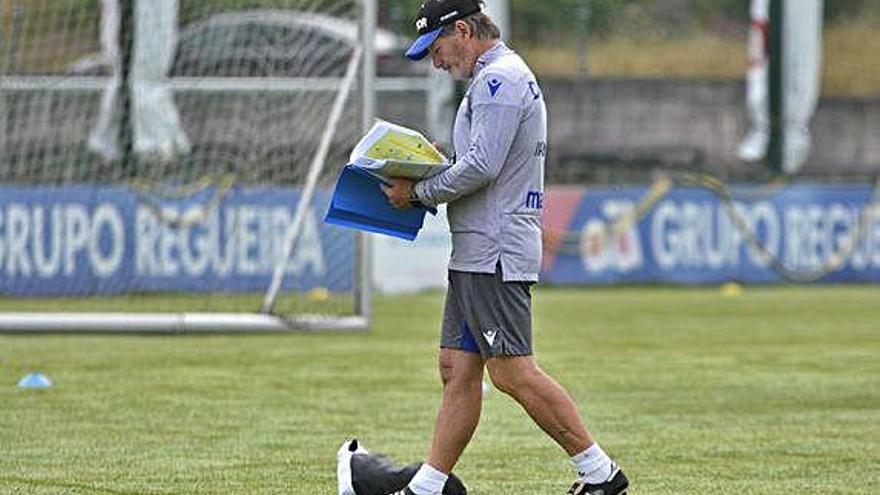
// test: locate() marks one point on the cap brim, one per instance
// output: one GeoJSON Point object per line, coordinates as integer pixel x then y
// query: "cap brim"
{"type": "Point", "coordinates": [419, 48]}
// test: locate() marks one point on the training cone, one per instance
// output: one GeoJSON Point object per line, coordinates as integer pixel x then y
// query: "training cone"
{"type": "Point", "coordinates": [35, 380]}
{"type": "Point", "coordinates": [731, 289]}
{"type": "Point", "coordinates": [318, 294]}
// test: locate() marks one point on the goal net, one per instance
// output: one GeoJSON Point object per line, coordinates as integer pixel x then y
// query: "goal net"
{"type": "Point", "coordinates": [166, 164]}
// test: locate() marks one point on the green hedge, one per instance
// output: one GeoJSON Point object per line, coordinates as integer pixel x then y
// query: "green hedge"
{"type": "Point", "coordinates": [534, 21]}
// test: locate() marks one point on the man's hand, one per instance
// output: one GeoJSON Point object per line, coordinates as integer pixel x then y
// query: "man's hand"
{"type": "Point", "coordinates": [399, 192]}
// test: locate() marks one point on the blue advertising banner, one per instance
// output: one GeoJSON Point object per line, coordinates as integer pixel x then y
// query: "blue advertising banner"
{"type": "Point", "coordinates": [690, 236]}
{"type": "Point", "coordinates": [83, 240]}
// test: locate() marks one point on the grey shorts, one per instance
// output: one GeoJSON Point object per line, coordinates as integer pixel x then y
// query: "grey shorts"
{"type": "Point", "coordinates": [486, 315]}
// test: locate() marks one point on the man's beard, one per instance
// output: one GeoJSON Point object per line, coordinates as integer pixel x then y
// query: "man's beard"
{"type": "Point", "coordinates": [464, 71]}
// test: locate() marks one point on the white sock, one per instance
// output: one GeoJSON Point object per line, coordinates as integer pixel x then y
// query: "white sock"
{"type": "Point", "coordinates": [428, 481]}
{"type": "Point", "coordinates": [593, 464]}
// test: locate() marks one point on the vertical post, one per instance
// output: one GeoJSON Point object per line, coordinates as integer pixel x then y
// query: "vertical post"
{"type": "Point", "coordinates": [368, 42]}
{"type": "Point", "coordinates": [440, 111]}
{"type": "Point", "coordinates": [775, 86]}
{"type": "Point", "coordinates": [15, 40]}
{"type": "Point", "coordinates": [126, 46]}
{"type": "Point", "coordinates": [4, 69]}
{"type": "Point", "coordinates": [499, 11]}
{"type": "Point", "coordinates": [583, 18]}
{"type": "Point", "coordinates": [364, 278]}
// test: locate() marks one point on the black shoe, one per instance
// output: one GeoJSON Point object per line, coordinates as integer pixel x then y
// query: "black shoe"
{"type": "Point", "coordinates": [616, 484]}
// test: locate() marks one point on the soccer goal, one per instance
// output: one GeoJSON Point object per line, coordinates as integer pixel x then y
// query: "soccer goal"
{"type": "Point", "coordinates": [165, 165]}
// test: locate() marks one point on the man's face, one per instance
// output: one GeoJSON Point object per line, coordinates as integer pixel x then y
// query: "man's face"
{"type": "Point", "coordinates": [452, 54]}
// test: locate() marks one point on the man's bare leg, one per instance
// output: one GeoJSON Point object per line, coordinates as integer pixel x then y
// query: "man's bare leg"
{"type": "Point", "coordinates": [548, 404]}
{"type": "Point", "coordinates": [462, 376]}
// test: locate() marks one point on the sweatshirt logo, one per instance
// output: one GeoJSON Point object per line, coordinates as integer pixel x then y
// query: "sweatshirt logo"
{"type": "Point", "coordinates": [535, 200]}
{"type": "Point", "coordinates": [494, 86]}
{"type": "Point", "coordinates": [533, 88]}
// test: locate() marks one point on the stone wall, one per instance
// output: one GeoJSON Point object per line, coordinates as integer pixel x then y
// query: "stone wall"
{"type": "Point", "coordinates": [621, 129]}
{"type": "Point", "coordinates": [683, 123]}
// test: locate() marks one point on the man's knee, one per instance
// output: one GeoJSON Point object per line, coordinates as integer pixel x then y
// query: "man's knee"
{"type": "Point", "coordinates": [459, 368]}
{"type": "Point", "coordinates": [447, 369]}
{"type": "Point", "coordinates": [511, 375]}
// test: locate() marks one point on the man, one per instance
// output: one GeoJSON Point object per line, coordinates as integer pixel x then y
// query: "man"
{"type": "Point", "coordinates": [495, 194]}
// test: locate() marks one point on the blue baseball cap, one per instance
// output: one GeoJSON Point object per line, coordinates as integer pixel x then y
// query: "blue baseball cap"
{"type": "Point", "coordinates": [433, 16]}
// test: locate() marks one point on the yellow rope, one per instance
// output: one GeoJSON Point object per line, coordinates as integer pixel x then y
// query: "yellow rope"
{"type": "Point", "coordinates": [147, 191]}
{"type": "Point", "coordinates": [560, 241]}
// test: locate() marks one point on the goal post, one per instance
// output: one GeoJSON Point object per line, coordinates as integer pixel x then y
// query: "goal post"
{"type": "Point", "coordinates": [216, 223]}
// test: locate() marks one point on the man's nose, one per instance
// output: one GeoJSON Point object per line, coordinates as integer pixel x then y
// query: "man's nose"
{"type": "Point", "coordinates": [436, 62]}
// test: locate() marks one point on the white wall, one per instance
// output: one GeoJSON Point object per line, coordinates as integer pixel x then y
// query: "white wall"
{"type": "Point", "coordinates": [401, 266]}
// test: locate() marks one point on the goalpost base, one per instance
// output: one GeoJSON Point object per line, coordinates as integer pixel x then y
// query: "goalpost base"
{"type": "Point", "coordinates": [172, 323]}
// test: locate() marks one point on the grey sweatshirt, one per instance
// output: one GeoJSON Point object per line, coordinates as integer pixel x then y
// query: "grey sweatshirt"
{"type": "Point", "coordinates": [495, 187]}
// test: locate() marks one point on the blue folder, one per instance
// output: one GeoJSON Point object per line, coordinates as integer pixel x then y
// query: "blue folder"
{"type": "Point", "coordinates": [359, 203]}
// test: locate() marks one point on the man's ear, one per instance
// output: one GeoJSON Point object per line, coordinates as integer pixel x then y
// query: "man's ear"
{"type": "Point", "coordinates": [463, 28]}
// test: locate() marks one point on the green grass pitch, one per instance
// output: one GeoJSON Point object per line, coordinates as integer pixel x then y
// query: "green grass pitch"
{"type": "Point", "coordinates": [775, 391]}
